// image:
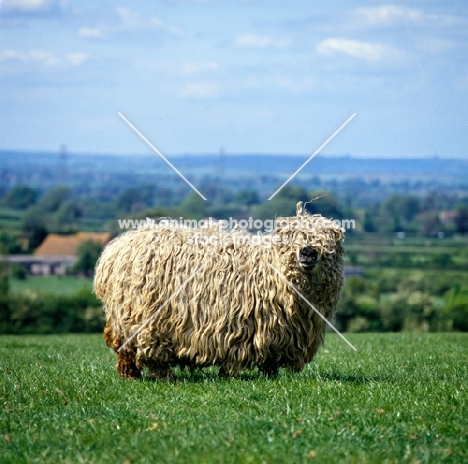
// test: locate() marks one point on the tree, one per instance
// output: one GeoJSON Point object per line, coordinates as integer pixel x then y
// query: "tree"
{"type": "Point", "coordinates": [4, 289]}
{"type": "Point", "coordinates": [135, 199]}
{"type": "Point", "coordinates": [163, 196]}
{"type": "Point", "coordinates": [369, 224]}
{"type": "Point", "coordinates": [401, 207]}
{"type": "Point", "coordinates": [87, 254]}
{"type": "Point", "coordinates": [461, 221]}
{"type": "Point", "coordinates": [429, 222]}
{"type": "Point", "coordinates": [283, 204]}
{"type": "Point", "coordinates": [4, 284]}
{"type": "Point", "coordinates": [54, 198]}
{"type": "Point", "coordinates": [21, 197]}
{"type": "Point", "coordinates": [293, 194]}
{"type": "Point", "coordinates": [325, 204]}
{"type": "Point", "coordinates": [9, 243]}
{"type": "Point", "coordinates": [34, 227]}
{"type": "Point", "coordinates": [246, 197]}
{"type": "Point", "coordinates": [226, 211]}
{"type": "Point", "coordinates": [67, 216]}
{"type": "Point", "coordinates": [456, 307]}
{"type": "Point", "coordinates": [193, 207]}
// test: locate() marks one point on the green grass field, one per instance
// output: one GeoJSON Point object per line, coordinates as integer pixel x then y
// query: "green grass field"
{"type": "Point", "coordinates": [10, 219]}
{"type": "Point", "coordinates": [58, 285]}
{"type": "Point", "coordinates": [399, 398]}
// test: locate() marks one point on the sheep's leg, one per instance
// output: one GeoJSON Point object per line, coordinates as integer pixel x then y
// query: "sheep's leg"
{"type": "Point", "coordinates": [187, 364]}
{"type": "Point", "coordinates": [160, 371]}
{"type": "Point", "coordinates": [269, 368]}
{"type": "Point", "coordinates": [109, 338]}
{"type": "Point", "coordinates": [315, 348]}
{"type": "Point", "coordinates": [225, 373]}
{"type": "Point", "coordinates": [126, 366]}
{"type": "Point", "coordinates": [192, 368]}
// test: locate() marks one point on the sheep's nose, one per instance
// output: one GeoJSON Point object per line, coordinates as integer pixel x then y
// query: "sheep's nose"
{"type": "Point", "coordinates": [308, 258]}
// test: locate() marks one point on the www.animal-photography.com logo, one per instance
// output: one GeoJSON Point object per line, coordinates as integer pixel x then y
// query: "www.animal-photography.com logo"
{"type": "Point", "coordinates": [240, 232]}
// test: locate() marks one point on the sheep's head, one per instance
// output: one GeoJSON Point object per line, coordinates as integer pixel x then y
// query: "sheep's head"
{"type": "Point", "coordinates": [308, 258]}
{"type": "Point", "coordinates": [312, 242]}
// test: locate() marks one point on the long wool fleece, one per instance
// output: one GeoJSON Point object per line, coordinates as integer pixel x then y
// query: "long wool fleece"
{"type": "Point", "coordinates": [236, 312]}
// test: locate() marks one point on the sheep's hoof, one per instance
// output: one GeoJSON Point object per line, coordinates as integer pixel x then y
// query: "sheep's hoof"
{"type": "Point", "coordinates": [126, 366]}
{"type": "Point", "coordinates": [269, 369]}
{"type": "Point", "coordinates": [158, 372]}
{"type": "Point", "coordinates": [225, 374]}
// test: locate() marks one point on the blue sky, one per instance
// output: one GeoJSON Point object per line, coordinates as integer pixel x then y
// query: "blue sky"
{"type": "Point", "coordinates": [253, 76]}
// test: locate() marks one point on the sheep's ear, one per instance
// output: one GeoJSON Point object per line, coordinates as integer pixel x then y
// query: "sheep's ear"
{"type": "Point", "coordinates": [339, 236]}
{"type": "Point", "coordinates": [300, 208]}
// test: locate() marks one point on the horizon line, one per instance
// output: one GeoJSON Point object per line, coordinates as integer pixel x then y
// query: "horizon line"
{"type": "Point", "coordinates": [242, 154]}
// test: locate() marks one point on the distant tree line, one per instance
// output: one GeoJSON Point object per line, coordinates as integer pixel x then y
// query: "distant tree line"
{"type": "Point", "coordinates": [61, 210]}
{"type": "Point", "coordinates": [381, 302]}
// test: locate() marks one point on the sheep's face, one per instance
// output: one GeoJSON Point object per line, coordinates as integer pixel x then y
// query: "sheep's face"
{"type": "Point", "coordinates": [308, 259]}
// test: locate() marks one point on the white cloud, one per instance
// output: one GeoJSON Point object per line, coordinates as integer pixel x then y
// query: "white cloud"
{"type": "Point", "coordinates": [30, 57]}
{"type": "Point", "coordinates": [200, 67]}
{"type": "Point", "coordinates": [250, 40]}
{"type": "Point", "coordinates": [91, 33]}
{"type": "Point", "coordinates": [357, 49]}
{"type": "Point", "coordinates": [77, 58]}
{"type": "Point", "coordinates": [200, 90]}
{"type": "Point", "coordinates": [17, 62]}
{"type": "Point", "coordinates": [129, 20]}
{"type": "Point", "coordinates": [156, 23]}
{"type": "Point", "coordinates": [30, 6]}
{"type": "Point", "coordinates": [387, 15]}
{"type": "Point", "coordinates": [122, 20]}
{"type": "Point", "coordinates": [178, 70]}
{"type": "Point", "coordinates": [434, 45]}
{"type": "Point", "coordinates": [293, 84]}
{"type": "Point", "coordinates": [392, 15]}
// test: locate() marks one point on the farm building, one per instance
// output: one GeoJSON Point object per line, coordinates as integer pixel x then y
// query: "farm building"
{"type": "Point", "coordinates": [57, 253]}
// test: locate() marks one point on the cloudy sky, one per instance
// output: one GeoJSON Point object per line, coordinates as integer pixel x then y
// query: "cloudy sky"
{"type": "Point", "coordinates": [250, 75]}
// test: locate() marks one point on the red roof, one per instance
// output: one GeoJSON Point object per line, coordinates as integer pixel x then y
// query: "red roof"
{"type": "Point", "coordinates": [55, 244]}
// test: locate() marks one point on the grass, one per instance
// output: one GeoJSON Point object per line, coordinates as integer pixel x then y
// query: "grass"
{"type": "Point", "coordinates": [399, 398]}
{"type": "Point", "coordinates": [58, 285]}
{"type": "Point", "coordinates": [10, 218]}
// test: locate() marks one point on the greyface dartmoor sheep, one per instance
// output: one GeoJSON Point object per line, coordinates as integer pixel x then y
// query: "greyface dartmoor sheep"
{"type": "Point", "coordinates": [236, 312]}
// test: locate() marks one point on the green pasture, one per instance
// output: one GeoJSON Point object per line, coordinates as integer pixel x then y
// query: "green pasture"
{"type": "Point", "coordinates": [10, 218]}
{"type": "Point", "coordinates": [387, 251]}
{"type": "Point", "coordinates": [58, 285]}
{"type": "Point", "coordinates": [399, 398]}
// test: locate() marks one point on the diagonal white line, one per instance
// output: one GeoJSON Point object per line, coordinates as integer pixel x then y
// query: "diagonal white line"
{"type": "Point", "coordinates": [159, 153]}
{"type": "Point", "coordinates": [162, 306]}
{"type": "Point", "coordinates": [312, 306]}
{"type": "Point", "coordinates": [318, 150]}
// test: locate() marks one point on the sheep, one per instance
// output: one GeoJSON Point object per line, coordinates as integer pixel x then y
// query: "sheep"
{"type": "Point", "coordinates": [238, 310]}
